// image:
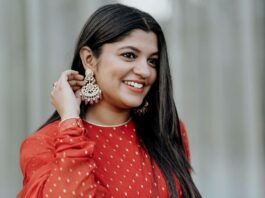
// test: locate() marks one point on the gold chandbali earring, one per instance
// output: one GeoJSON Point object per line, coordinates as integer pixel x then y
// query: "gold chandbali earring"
{"type": "Point", "coordinates": [90, 93]}
{"type": "Point", "coordinates": [142, 110]}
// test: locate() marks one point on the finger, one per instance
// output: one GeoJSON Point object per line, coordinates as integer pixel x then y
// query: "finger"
{"type": "Point", "coordinates": [77, 93]}
{"type": "Point", "coordinates": [75, 88]}
{"type": "Point", "coordinates": [76, 83]}
{"type": "Point", "coordinates": [67, 73]}
{"type": "Point", "coordinates": [75, 77]}
{"type": "Point", "coordinates": [64, 77]}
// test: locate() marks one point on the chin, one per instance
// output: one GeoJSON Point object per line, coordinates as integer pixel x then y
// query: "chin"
{"type": "Point", "coordinates": [132, 103]}
{"type": "Point", "coordinates": [132, 100]}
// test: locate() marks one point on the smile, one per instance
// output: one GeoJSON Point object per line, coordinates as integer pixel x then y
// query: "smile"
{"type": "Point", "coordinates": [134, 84]}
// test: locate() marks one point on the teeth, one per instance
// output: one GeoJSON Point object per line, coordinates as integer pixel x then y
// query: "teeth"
{"type": "Point", "coordinates": [134, 84]}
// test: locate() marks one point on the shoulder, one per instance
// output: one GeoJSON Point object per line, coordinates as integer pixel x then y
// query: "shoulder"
{"type": "Point", "coordinates": [43, 137]}
{"type": "Point", "coordinates": [37, 149]}
{"type": "Point", "coordinates": [49, 131]}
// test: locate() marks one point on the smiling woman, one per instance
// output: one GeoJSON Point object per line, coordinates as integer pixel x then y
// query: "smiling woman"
{"type": "Point", "coordinates": [116, 132]}
{"type": "Point", "coordinates": [126, 64]}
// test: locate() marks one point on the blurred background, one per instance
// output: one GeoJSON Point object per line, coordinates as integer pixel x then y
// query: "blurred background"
{"type": "Point", "coordinates": [216, 49]}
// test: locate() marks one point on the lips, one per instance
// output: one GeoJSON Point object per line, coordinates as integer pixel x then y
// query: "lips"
{"type": "Point", "coordinates": [135, 85]}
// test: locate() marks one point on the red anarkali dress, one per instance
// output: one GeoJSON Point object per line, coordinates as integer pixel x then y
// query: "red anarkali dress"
{"type": "Point", "coordinates": [74, 158]}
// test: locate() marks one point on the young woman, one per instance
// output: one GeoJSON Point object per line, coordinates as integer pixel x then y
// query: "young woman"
{"type": "Point", "coordinates": [115, 133]}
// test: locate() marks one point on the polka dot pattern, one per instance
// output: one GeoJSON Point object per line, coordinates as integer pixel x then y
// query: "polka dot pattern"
{"type": "Point", "coordinates": [74, 158]}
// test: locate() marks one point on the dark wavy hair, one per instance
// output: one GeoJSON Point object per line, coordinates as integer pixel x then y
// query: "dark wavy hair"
{"type": "Point", "coordinates": [159, 128]}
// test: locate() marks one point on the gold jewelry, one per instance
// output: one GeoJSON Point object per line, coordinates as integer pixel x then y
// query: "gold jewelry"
{"type": "Point", "coordinates": [113, 125]}
{"type": "Point", "coordinates": [54, 84]}
{"type": "Point", "coordinates": [142, 110]}
{"type": "Point", "coordinates": [90, 92]}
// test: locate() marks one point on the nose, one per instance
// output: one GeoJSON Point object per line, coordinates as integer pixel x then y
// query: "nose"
{"type": "Point", "coordinates": [142, 68]}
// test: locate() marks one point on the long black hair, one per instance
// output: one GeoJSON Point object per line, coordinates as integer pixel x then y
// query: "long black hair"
{"type": "Point", "coordinates": [159, 128]}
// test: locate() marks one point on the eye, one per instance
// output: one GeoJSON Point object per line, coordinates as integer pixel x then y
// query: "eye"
{"type": "Point", "coordinates": [129, 55]}
{"type": "Point", "coordinates": [153, 62]}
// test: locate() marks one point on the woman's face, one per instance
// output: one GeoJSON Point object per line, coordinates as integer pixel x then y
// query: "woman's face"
{"type": "Point", "coordinates": [126, 70]}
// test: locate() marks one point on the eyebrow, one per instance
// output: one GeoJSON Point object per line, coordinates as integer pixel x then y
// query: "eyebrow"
{"type": "Point", "coordinates": [136, 49]}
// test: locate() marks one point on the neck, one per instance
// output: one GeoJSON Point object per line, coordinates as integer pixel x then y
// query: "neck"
{"type": "Point", "coordinates": [104, 114]}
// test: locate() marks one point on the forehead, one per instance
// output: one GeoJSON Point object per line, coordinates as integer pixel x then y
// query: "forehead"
{"type": "Point", "coordinates": [144, 41]}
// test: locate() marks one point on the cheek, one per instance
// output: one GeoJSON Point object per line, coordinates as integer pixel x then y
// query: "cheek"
{"type": "Point", "coordinates": [153, 77]}
{"type": "Point", "coordinates": [108, 76]}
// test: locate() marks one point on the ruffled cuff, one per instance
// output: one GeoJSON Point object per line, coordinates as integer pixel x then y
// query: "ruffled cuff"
{"type": "Point", "coordinates": [70, 123]}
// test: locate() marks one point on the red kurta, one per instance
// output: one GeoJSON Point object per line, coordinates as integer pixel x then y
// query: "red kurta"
{"type": "Point", "coordinates": [74, 158]}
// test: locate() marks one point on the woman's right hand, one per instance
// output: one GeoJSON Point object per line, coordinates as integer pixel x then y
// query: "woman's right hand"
{"type": "Point", "coordinates": [64, 99]}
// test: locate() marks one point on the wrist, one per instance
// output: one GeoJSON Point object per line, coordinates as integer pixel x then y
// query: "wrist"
{"type": "Point", "coordinates": [69, 116]}
{"type": "Point", "coordinates": [69, 124]}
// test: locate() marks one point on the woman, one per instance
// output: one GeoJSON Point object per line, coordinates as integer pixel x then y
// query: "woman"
{"type": "Point", "coordinates": [115, 133]}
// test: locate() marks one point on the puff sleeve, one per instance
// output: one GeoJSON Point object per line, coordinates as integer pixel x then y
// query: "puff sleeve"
{"type": "Point", "coordinates": [58, 162]}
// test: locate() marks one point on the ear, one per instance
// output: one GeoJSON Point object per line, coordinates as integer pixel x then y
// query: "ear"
{"type": "Point", "coordinates": [87, 58]}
